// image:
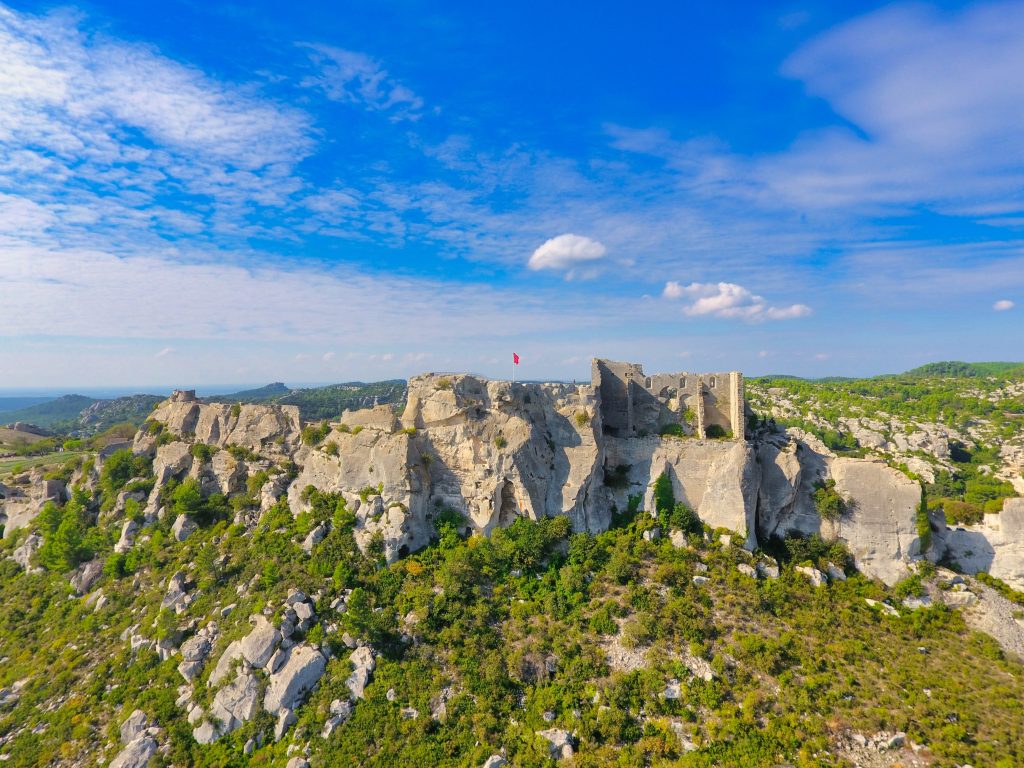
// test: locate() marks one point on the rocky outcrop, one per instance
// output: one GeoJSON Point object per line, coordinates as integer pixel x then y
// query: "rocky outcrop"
{"type": "Point", "coordinates": [493, 452]}
{"type": "Point", "coordinates": [995, 546]}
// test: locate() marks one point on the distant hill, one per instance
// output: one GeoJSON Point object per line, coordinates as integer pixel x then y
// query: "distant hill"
{"type": "Point", "coordinates": [262, 394]}
{"type": "Point", "coordinates": [53, 413]}
{"type": "Point", "coordinates": [83, 415]}
{"type": "Point", "coordinates": [327, 402]}
{"type": "Point", "coordinates": [960, 370]}
{"type": "Point", "coordinates": [18, 403]}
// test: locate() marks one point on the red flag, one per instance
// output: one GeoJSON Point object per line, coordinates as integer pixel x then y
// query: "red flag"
{"type": "Point", "coordinates": [515, 358]}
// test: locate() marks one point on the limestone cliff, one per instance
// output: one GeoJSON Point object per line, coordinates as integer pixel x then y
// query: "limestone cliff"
{"type": "Point", "coordinates": [494, 451]}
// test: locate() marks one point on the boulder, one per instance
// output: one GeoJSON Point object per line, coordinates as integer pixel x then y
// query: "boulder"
{"type": "Point", "coordinates": [23, 554]}
{"type": "Point", "coordinates": [259, 645]}
{"type": "Point", "coordinates": [747, 570]}
{"type": "Point", "coordinates": [299, 675]}
{"type": "Point", "coordinates": [137, 753]}
{"type": "Point", "coordinates": [315, 537]}
{"type": "Point", "coordinates": [134, 726]}
{"type": "Point", "coordinates": [128, 533]}
{"type": "Point", "coordinates": [236, 703]}
{"type": "Point", "coordinates": [559, 741]}
{"type": "Point", "coordinates": [363, 664]}
{"type": "Point", "coordinates": [184, 526]}
{"type": "Point", "coordinates": [177, 597]}
{"type": "Point", "coordinates": [86, 576]}
{"type": "Point", "coordinates": [226, 662]}
{"type": "Point", "coordinates": [816, 577]}
{"type": "Point", "coordinates": [495, 761]}
{"type": "Point", "coordinates": [285, 720]}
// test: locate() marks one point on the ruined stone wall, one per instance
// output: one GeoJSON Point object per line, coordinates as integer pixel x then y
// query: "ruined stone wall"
{"type": "Point", "coordinates": [634, 404]}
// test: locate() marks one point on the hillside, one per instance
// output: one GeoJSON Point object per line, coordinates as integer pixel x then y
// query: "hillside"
{"type": "Point", "coordinates": [498, 576]}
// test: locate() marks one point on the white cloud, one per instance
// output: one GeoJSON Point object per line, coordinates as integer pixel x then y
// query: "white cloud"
{"type": "Point", "coordinates": [822, 356]}
{"type": "Point", "coordinates": [566, 252]}
{"type": "Point", "coordinates": [355, 78]}
{"type": "Point", "coordinates": [729, 300]}
{"type": "Point", "coordinates": [164, 352]}
{"type": "Point", "coordinates": [328, 356]}
{"type": "Point", "coordinates": [1002, 305]}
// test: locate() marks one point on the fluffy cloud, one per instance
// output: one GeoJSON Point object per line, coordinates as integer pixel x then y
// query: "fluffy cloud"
{"type": "Point", "coordinates": [729, 300]}
{"type": "Point", "coordinates": [566, 252]}
{"type": "Point", "coordinates": [1002, 305]}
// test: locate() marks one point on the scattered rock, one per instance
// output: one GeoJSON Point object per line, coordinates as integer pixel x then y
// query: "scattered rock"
{"type": "Point", "coordinates": [23, 554]}
{"type": "Point", "coordinates": [747, 570]}
{"type": "Point", "coordinates": [315, 537]}
{"type": "Point", "coordinates": [495, 761]}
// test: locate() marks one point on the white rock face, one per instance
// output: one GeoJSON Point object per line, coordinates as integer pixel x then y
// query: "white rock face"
{"type": "Point", "coordinates": [295, 679]}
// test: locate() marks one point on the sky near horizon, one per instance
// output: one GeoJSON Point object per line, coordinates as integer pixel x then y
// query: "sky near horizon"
{"type": "Point", "coordinates": [200, 193]}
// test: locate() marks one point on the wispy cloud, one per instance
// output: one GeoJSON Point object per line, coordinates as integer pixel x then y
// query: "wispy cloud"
{"type": "Point", "coordinates": [356, 78]}
{"type": "Point", "coordinates": [1003, 305]}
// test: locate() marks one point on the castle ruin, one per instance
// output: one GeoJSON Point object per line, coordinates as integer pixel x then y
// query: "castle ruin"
{"type": "Point", "coordinates": [696, 404]}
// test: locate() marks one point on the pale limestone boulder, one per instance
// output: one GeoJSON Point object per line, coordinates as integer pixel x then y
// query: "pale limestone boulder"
{"type": "Point", "coordinates": [559, 741]}
{"type": "Point", "coordinates": [236, 703]}
{"type": "Point", "coordinates": [137, 753]}
{"type": "Point", "coordinates": [226, 662]}
{"type": "Point", "coordinates": [297, 677]}
{"type": "Point", "coordinates": [816, 577]}
{"type": "Point", "coordinates": [134, 726]}
{"type": "Point", "coordinates": [363, 664]}
{"type": "Point", "coordinates": [23, 554]}
{"type": "Point", "coordinates": [183, 527]}
{"type": "Point", "coordinates": [172, 460]}
{"type": "Point", "coordinates": [259, 645]}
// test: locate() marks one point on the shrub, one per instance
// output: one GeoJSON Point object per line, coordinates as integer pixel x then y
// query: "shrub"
{"type": "Point", "coordinates": [331, 448]}
{"type": "Point", "coordinates": [500, 441]}
{"type": "Point", "coordinates": [717, 432]}
{"type": "Point", "coordinates": [582, 419]}
{"type": "Point", "coordinates": [664, 496]}
{"type": "Point", "coordinates": [204, 452]}
{"type": "Point", "coordinates": [672, 430]}
{"type": "Point", "coordinates": [444, 384]}
{"type": "Point", "coordinates": [924, 526]}
{"type": "Point", "coordinates": [830, 504]}
{"type": "Point", "coordinates": [236, 410]}
{"type": "Point", "coordinates": [314, 434]}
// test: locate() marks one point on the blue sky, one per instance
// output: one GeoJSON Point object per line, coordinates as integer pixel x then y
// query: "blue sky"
{"type": "Point", "coordinates": [313, 192]}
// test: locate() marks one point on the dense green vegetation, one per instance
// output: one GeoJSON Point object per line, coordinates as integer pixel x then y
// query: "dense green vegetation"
{"type": "Point", "coordinates": [516, 629]}
{"type": "Point", "coordinates": [957, 369]}
{"type": "Point", "coordinates": [80, 415]}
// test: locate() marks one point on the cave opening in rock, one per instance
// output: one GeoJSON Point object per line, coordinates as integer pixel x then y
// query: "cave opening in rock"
{"type": "Point", "coordinates": [509, 509]}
